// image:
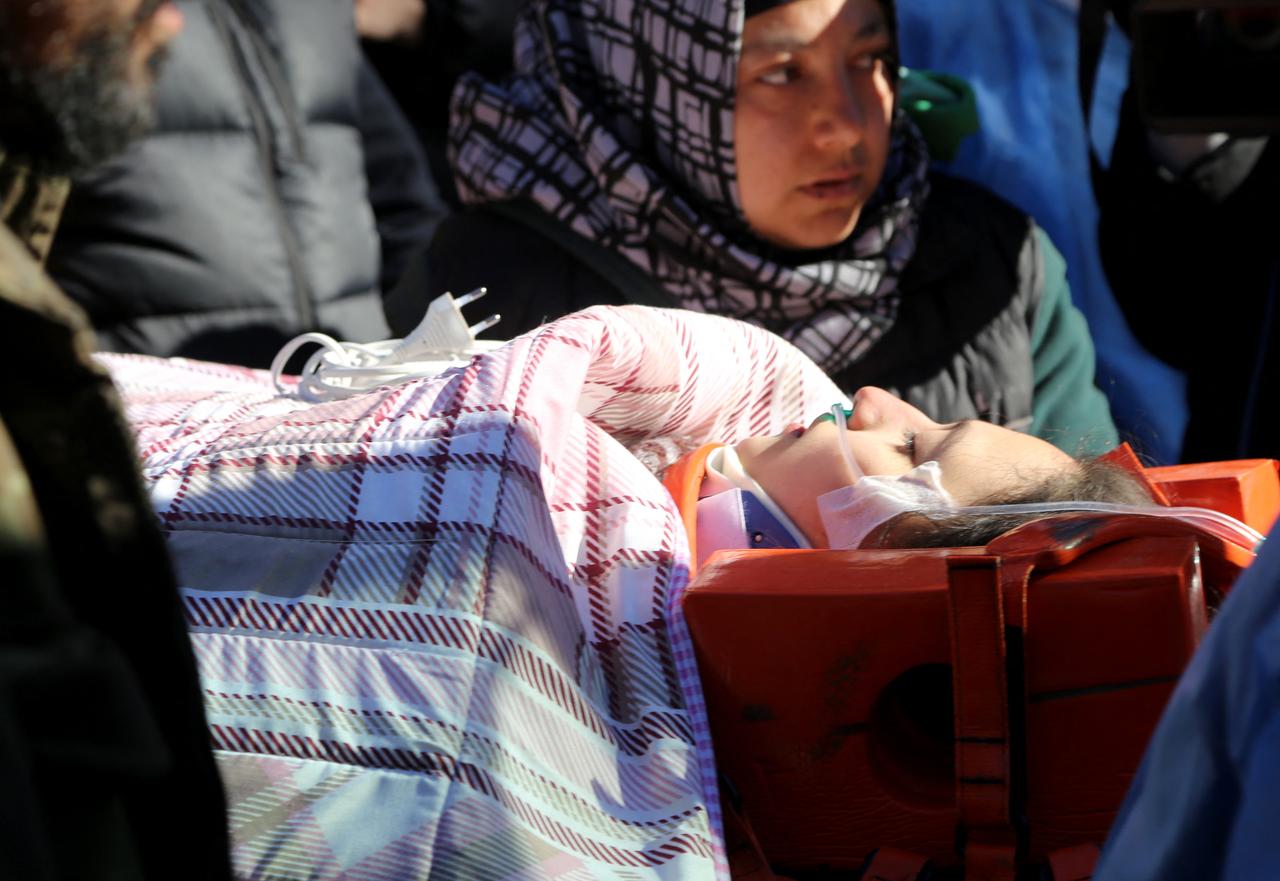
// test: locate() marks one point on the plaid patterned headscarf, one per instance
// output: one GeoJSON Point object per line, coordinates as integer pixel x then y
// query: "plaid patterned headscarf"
{"type": "Point", "coordinates": [619, 123]}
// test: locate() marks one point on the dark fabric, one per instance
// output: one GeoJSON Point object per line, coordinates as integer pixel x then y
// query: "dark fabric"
{"type": "Point", "coordinates": [29, 205]}
{"type": "Point", "coordinates": [457, 36]}
{"type": "Point", "coordinates": [641, 288]}
{"type": "Point", "coordinates": [407, 208]}
{"type": "Point", "coordinates": [753, 7]}
{"type": "Point", "coordinates": [1195, 264]}
{"type": "Point", "coordinates": [279, 191]}
{"type": "Point", "coordinates": [961, 350]}
{"type": "Point", "coordinates": [531, 279]}
{"type": "Point", "coordinates": [1092, 30]}
{"type": "Point", "coordinates": [105, 765]}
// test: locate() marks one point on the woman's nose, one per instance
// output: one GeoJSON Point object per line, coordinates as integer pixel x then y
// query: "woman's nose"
{"type": "Point", "coordinates": [839, 119]}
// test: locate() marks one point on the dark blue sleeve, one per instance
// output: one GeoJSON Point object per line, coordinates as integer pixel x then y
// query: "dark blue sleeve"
{"type": "Point", "coordinates": [1251, 851]}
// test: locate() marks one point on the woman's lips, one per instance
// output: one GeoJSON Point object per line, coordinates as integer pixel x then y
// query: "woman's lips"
{"type": "Point", "coordinates": [834, 187]}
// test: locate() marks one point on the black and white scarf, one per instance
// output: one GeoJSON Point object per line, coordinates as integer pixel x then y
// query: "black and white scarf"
{"type": "Point", "coordinates": [618, 123]}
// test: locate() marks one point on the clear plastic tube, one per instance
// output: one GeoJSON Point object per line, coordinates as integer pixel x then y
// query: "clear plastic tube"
{"type": "Point", "coordinates": [841, 419]}
{"type": "Point", "coordinates": [1221, 525]}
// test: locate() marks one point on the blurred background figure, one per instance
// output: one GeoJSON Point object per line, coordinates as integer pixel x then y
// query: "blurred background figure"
{"type": "Point", "coordinates": [393, 20]}
{"type": "Point", "coordinates": [1033, 149]}
{"type": "Point", "coordinates": [1188, 203]}
{"type": "Point", "coordinates": [421, 47]}
{"type": "Point", "coordinates": [105, 766]}
{"type": "Point", "coordinates": [280, 192]}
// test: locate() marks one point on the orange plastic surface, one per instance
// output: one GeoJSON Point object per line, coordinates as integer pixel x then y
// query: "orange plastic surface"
{"type": "Point", "coordinates": [683, 480]}
{"type": "Point", "coordinates": [828, 674]}
{"type": "Point", "coordinates": [889, 864]}
{"type": "Point", "coordinates": [1247, 489]}
{"type": "Point", "coordinates": [1124, 457]}
{"type": "Point", "coordinates": [827, 679]}
{"type": "Point", "coordinates": [795, 648]}
{"type": "Point", "coordinates": [1074, 863]}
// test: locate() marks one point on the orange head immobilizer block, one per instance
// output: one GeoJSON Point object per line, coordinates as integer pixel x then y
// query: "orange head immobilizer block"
{"type": "Point", "coordinates": [982, 708]}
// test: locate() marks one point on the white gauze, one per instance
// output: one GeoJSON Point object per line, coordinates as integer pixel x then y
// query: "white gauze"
{"type": "Point", "coordinates": [850, 513]}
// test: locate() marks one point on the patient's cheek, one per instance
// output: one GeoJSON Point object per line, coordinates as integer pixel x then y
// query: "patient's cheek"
{"type": "Point", "coordinates": [797, 495]}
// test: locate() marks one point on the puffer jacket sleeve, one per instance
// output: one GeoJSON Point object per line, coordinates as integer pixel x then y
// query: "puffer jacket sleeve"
{"type": "Point", "coordinates": [1067, 408]}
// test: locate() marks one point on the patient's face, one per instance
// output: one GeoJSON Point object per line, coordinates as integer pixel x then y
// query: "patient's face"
{"type": "Point", "coordinates": [889, 437]}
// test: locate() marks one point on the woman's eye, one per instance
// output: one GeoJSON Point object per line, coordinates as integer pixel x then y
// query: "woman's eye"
{"type": "Point", "coordinates": [780, 76]}
{"type": "Point", "coordinates": [869, 61]}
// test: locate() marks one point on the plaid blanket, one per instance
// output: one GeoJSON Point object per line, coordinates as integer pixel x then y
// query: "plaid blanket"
{"type": "Point", "coordinates": [438, 624]}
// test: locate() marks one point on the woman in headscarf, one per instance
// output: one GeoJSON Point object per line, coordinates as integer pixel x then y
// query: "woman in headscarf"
{"type": "Point", "coordinates": [752, 160]}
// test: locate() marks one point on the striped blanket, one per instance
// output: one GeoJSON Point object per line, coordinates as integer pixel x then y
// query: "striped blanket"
{"type": "Point", "coordinates": [437, 624]}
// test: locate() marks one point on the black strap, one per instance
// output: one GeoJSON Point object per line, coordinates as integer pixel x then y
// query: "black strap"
{"type": "Point", "coordinates": [635, 285]}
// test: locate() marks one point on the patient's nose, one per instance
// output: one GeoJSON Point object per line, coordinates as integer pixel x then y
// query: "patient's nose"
{"type": "Point", "coordinates": [871, 407]}
{"type": "Point", "coordinates": [876, 408]}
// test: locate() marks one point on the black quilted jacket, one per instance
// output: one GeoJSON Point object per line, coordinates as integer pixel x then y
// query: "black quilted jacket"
{"type": "Point", "coordinates": [280, 192]}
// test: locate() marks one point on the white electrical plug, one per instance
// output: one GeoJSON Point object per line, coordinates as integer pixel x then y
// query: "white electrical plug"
{"type": "Point", "coordinates": [442, 340]}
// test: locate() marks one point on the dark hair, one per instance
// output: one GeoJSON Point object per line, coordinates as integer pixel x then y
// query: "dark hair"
{"type": "Point", "coordinates": [888, 7]}
{"type": "Point", "coordinates": [1093, 480]}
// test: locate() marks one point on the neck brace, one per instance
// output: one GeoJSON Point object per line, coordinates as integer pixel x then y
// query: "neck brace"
{"type": "Point", "coordinates": [851, 513]}
{"type": "Point", "coordinates": [728, 487]}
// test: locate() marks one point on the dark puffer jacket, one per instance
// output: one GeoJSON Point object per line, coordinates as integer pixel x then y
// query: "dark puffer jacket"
{"type": "Point", "coordinates": [280, 192]}
{"type": "Point", "coordinates": [986, 330]}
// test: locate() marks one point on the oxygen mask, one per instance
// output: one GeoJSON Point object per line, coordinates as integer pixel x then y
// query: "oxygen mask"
{"type": "Point", "coordinates": [851, 513]}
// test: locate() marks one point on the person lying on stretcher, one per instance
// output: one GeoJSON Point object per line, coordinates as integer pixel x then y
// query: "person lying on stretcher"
{"type": "Point", "coordinates": [889, 477]}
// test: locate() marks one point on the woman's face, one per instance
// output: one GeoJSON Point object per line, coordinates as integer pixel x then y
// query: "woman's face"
{"type": "Point", "coordinates": [888, 436]}
{"type": "Point", "coordinates": [811, 122]}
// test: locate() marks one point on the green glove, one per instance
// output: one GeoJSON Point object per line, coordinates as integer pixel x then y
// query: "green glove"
{"type": "Point", "coordinates": [942, 105]}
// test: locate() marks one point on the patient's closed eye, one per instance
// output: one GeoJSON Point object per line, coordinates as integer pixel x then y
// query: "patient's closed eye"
{"type": "Point", "coordinates": [908, 445]}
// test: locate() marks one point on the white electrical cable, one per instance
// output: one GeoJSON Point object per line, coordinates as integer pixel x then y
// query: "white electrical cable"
{"type": "Point", "coordinates": [338, 370]}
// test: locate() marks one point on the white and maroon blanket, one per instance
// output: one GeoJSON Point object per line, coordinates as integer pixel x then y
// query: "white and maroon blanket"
{"type": "Point", "coordinates": [437, 624]}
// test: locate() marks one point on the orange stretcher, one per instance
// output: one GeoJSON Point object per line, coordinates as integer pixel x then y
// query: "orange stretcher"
{"type": "Point", "coordinates": [976, 710]}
